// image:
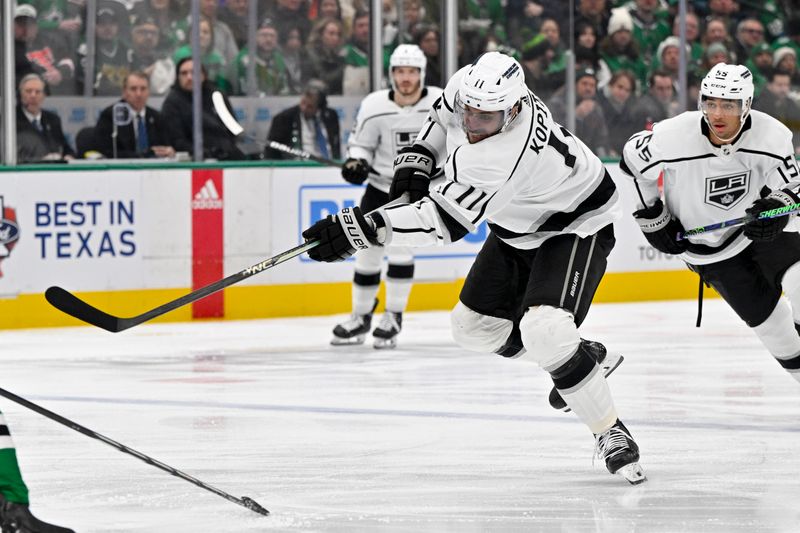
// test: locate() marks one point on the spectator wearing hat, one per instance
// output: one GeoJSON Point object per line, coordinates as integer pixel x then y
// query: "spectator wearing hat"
{"type": "Point", "coordinates": [39, 133]}
{"type": "Point", "coordinates": [658, 103]}
{"type": "Point", "coordinates": [649, 27]}
{"type": "Point", "coordinates": [759, 63]}
{"type": "Point", "coordinates": [144, 135]}
{"type": "Point", "coordinates": [309, 126]}
{"type": "Point", "coordinates": [218, 141]}
{"type": "Point", "coordinates": [792, 36]}
{"type": "Point", "coordinates": [170, 19]}
{"type": "Point", "coordinates": [43, 53]}
{"type": "Point", "coordinates": [270, 69]}
{"type": "Point", "coordinates": [715, 53]}
{"type": "Point", "coordinates": [147, 56]}
{"type": "Point", "coordinates": [618, 100]}
{"type": "Point", "coordinates": [110, 59]}
{"type": "Point", "coordinates": [785, 60]}
{"type": "Point", "coordinates": [618, 50]}
{"type": "Point", "coordinates": [590, 122]}
{"type": "Point", "coordinates": [536, 56]}
{"type": "Point", "coordinates": [776, 102]}
{"type": "Point", "coordinates": [667, 57]}
{"type": "Point", "coordinates": [355, 80]}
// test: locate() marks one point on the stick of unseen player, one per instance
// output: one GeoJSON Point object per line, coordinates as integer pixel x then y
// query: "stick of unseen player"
{"type": "Point", "coordinates": [244, 501]}
{"type": "Point", "coordinates": [237, 130]}
{"type": "Point", "coordinates": [771, 213]}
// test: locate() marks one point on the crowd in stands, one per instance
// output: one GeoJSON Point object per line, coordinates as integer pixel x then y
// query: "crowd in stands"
{"type": "Point", "coordinates": [627, 51]}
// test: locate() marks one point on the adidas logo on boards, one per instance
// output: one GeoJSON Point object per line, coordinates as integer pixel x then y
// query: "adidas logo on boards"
{"type": "Point", "coordinates": [207, 197]}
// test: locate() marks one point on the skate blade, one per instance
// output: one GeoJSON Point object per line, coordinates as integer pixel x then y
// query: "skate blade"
{"type": "Point", "coordinates": [348, 341]}
{"type": "Point", "coordinates": [609, 364]}
{"type": "Point", "coordinates": [633, 473]}
{"type": "Point", "coordinates": [384, 344]}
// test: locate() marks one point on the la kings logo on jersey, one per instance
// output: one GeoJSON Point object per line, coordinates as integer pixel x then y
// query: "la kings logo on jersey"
{"type": "Point", "coordinates": [404, 138]}
{"type": "Point", "coordinates": [726, 191]}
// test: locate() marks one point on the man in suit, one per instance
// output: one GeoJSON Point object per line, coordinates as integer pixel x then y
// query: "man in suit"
{"type": "Point", "coordinates": [39, 133]}
{"type": "Point", "coordinates": [144, 135]}
{"type": "Point", "coordinates": [309, 126]}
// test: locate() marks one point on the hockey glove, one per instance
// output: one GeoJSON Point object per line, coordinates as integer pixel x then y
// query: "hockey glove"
{"type": "Point", "coordinates": [341, 235]}
{"type": "Point", "coordinates": [768, 229]}
{"type": "Point", "coordinates": [355, 171]}
{"type": "Point", "coordinates": [660, 229]}
{"type": "Point", "coordinates": [413, 167]}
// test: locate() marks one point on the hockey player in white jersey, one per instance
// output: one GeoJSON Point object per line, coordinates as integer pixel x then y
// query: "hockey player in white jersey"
{"type": "Point", "coordinates": [550, 205]}
{"type": "Point", "coordinates": [387, 121]}
{"type": "Point", "coordinates": [726, 161]}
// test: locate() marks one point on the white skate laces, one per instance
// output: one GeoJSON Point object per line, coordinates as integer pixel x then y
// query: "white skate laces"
{"type": "Point", "coordinates": [620, 453]}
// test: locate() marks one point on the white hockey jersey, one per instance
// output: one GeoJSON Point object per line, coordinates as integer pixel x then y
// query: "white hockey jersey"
{"type": "Point", "coordinates": [382, 128]}
{"type": "Point", "coordinates": [532, 181]}
{"type": "Point", "coordinates": [705, 184]}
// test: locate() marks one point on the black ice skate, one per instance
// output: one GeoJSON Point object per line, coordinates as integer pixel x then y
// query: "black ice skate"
{"type": "Point", "coordinates": [17, 518]}
{"type": "Point", "coordinates": [354, 331]}
{"type": "Point", "coordinates": [386, 332]}
{"type": "Point", "coordinates": [621, 454]}
{"type": "Point", "coordinates": [607, 361]}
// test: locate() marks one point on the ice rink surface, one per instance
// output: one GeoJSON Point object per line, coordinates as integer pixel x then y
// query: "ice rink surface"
{"type": "Point", "coordinates": [426, 437]}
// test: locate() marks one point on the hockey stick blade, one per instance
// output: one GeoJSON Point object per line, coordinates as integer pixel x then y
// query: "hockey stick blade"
{"type": "Point", "coordinates": [68, 303]}
{"type": "Point", "coordinates": [65, 301]}
{"type": "Point", "coordinates": [224, 114]}
{"type": "Point", "coordinates": [771, 213]}
{"type": "Point", "coordinates": [244, 501]}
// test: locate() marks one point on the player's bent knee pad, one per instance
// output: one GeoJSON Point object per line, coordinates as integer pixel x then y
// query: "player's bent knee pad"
{"type": "Point", "coordinates": [477, 332]}
{"type": "Point", "coordinates": [549, 335]}
{"type": "Point", "coordinates": [369, 260]}
{"type": "Point", "coordinates": [400, 255]}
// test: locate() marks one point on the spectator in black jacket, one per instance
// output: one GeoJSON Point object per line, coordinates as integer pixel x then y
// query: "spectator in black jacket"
{"type": "Point", "coordinates": [39, 133]}
{"type": "Point", "coordinates": [218, 141]}
{"type": "Point", "coordinates": [309, 126]}
{"type": "Point", "coordinates": [144, 134]}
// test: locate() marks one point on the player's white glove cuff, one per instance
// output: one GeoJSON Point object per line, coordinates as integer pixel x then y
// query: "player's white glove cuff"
{"type": "Point", "coordinates": [785, 196]}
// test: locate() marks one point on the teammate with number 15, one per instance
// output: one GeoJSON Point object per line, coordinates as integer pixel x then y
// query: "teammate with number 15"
{"type": "Point", "coordinates": [550, 205]}
{"type": "Point", "coordinates": [720, 162]}
{"type": "Point", "coordinates": [387, 121]}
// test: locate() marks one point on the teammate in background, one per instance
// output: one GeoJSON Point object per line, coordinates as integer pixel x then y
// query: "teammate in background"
{"type": "Point", "coordinates": [726, 161]}
{"type": "Point", "coordinates": [387, 121]}
{"type": "Point", "coordinates": [550, 204]}
{"type": "Point", "coordinates": [15, 515]}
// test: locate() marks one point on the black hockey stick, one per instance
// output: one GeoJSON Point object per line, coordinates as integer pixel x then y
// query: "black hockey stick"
{"type": "Point", "coordinates": [65, 301]}
{"type": "Point", "coordinates": [771, 213]}
{"type": "Point", "coordinates": [244, 501]}
{"type": "Point", "coordinates": [306, 155]}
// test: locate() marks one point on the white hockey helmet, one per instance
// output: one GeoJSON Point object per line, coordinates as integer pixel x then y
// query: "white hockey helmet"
{"type": "Point", "coordinates": [728, 82]}
{"type": "Point", "coordinates": [408, 55]}
{"type": "Point", "coordinates": [494, 82]}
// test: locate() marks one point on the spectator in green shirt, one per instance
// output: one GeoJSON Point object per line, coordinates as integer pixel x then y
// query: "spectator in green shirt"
{"type": "Point", "coordinates": [270, 69]}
